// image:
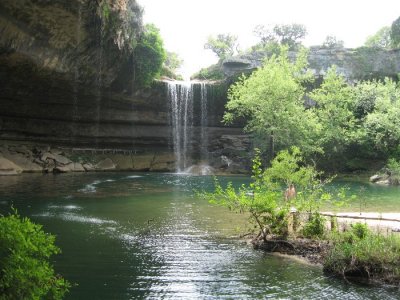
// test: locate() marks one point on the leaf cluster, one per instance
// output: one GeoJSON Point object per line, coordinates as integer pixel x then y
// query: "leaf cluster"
{"type": "Point", "coordinates": [263, 198]}
{"type": "Point", "coordinates": [25, 270]}
{"type": "Point", "coordinates": [149, 56]}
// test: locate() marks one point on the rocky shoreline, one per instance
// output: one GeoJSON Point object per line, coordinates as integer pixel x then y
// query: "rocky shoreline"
{"type": "Point", "coordinates": [34, 158]}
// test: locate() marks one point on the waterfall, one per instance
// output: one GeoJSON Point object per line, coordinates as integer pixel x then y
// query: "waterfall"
{"type": "Point", "coordinates": [181, 108]}
{"type": "Point", "coordinates": [203, 123]}
{"type": "Point", "coordinates": [99, 81]}
{"type": "Point", "coordinates": [75, 116]}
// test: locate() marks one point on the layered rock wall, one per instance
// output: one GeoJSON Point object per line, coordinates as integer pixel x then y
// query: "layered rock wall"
{"type": "Point", "coordinates": [354, 64]}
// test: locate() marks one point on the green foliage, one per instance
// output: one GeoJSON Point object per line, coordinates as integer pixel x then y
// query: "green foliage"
{"type": "Point", "coordinates": [121, 27]}
{"type": "Point", "coordinates": [332, 42]}
{"type": "Point", "coordinates": [224, 45]}
{"type": "Point", "coordinates": [173, 61]}
{"type": "Point", "coordinates": [149, 56]}
{"type": "Point", "coordinates": [394, 168]}
{"type": "Point", "coordinates": [283, 34]}
{"type": "Point", "coordinates": [334, 111]}
{"type": "Point", "coordinates": [395, 33]}
{"type": "Point", "coordinates": [271, 100]}
{"type": "Point", "coordinates": [315, 226]}
{"type": "Point", "coordinates": [263, 198]}
{"type": "Point", "coordinates": [366, 94]}
{"type": "Point", "coordinates": [361, 252]}
{"type": "Point", "coordinates": [382, 125]}
{"type": "Point", "coordinates": [213, 72]}
{"type": "Point", "coordinates": [360, 230]}
{"type": "Point", "coordinates": [171, 65]}
{"type": "Point", "coordinates": [381, 39]}
{"type": "Point", "coordinates": [25, 271]}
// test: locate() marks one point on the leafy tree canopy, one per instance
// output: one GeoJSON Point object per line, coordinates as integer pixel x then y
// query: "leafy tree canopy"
{"type": "Point", "coordinates": [284, 34]}
{"type": "Point", "coordinates": [332, 42]}
{"type": "Point", "coordinates": [224, 45]}
{"type": "Point", "coordinates": [381, 39]}
{"type": "Point", "coordinates": [271, 99]}
{"type": "Point", "coordinates": [334, 110]}
{"type": "Point", "coordinates": [149, 56]}
{"type": "Point", "coordinates": [173, 61]}
{"type": "Point", "coordinates": [395, 32]}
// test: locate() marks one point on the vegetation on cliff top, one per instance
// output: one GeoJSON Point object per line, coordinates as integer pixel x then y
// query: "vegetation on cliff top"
{"type": "Point", "coordinates": [149, 56]}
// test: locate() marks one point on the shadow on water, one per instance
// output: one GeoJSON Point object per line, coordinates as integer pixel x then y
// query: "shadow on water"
{"type": "Point", "coordinates": [129, 236]}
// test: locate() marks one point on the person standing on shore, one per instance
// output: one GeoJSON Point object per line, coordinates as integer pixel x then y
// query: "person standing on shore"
{"type": "Point", "coordinates": [290, 192]}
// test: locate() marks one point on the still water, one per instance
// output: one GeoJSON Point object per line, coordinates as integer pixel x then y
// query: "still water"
{"type": "Point", "coordinates": [135, 236]}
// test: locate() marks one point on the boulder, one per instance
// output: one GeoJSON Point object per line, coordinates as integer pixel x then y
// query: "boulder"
{"type": "Point", "coordinates": [71, 167]}
{"type": "Point", "coordinates": [24, 161]}
{"type": "Point", "coordinates": [383, 182]}
{"type": "Point", "coordinates": [7, 167]}
{"type": "Point", "coordinates": [377, 177]}
{"type": "Point", "coordinates": [59, 159]}
{"type": "Point", "coordinates": [105, 164]}
{"type": "Point", "coordinates": [88, 167]}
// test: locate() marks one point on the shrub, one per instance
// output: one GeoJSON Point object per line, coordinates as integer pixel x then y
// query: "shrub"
{"type": "Point", "coordinates": [25, 271]}
{"type": "Point", "coordinates": [362, 253]}
{"type": "Point", "coordinates": [149, 56]}
{"type": "Point", "coordinates": [315, 227]}
{"type": "Point", "coordinates": [360, 230]}
{"type": "Point", "coordinates": [394, 168]}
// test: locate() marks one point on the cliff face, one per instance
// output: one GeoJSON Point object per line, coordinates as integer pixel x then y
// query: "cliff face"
{"type": "Point", "coordinates": [84, 41]}
{"type": "Point", "coordinates": [66, 73]}
{"type": "Point", "coordinates": [66, 87]}
{"type": "Point", "coordinates": [354, 64]}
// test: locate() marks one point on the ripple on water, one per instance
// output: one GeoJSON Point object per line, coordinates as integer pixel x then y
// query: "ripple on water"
{"type": "Point", "coordinates": [133, 176]}
{"type": "Point", "coordinates": [65, 207]}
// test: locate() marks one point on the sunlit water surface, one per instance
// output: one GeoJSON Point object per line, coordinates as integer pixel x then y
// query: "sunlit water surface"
{"type": "Point", "coordinates": [133, 236]}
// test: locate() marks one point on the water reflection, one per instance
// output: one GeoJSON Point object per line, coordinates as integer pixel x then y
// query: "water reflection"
{"type": "Point", "coordinates": [146, 236]}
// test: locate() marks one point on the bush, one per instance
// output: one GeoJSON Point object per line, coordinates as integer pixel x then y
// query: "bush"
{"type": "Point", "coordinates": [25, 271]}
{"type": "Point", "coordinates": [394, 168]}
{"type": "Point", "coordinates": [360, 230]}
{"type": "Point", "coordinates": [213, 72]}
{"type": "Point", "coordinates": [360, 252]}
{"type": "Point", "coordinates": [315, 227]}
{"type": "Point", "coordinates": [149, 56]}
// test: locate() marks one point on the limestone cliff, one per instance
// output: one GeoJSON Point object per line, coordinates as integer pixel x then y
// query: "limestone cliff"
{"type": "Point", "coordinates": [354, 64]}
{"type": "Point", "coordinates": [66, 86]}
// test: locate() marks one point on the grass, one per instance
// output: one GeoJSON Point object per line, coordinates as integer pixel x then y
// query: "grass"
{"type": "Point", "coordinates": [362, 253]}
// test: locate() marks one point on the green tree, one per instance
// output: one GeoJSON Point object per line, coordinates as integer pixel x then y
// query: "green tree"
{"type": "Point", "coordinates": [263, 199]}
{"type": "Point", "coordinates": [332, 42]}
{"type": "Point", "coordinates": [271, 99]}
{"type": "Point", "coordinates": [149, 56]}
{"type": "Point", "coordinates": [381, 39]}
{"type": "Point", "coordinates": [25, 271]}
{"type": "Point", "coordinates": [224, 45]}
{"type": "Point", "coordinates": [171, 65]}
{"type": "Point", "coordinates": [382, 125]}
{"type": "Point", "coordinates": [395, 33]}
{"type": "Point", "coordinates": [283, 34]}
{"type": "Point", "coordinates": [173, 61]}
{"type": "Point", "coordinates": [334, 110]}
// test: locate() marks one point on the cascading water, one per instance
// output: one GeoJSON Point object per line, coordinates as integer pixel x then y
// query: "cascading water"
{"type": "Point", "coordinates": [181, 108]}
{"type": "Point", "coordinates": [189, 127]}
{"type": "Point", "coordinates": [99, 82]}
{"type": "Point", "coordinates": [75, 117]}
{"type": "Point", "coordinates": [203, 123]}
